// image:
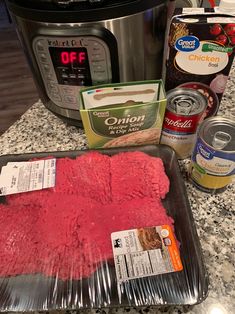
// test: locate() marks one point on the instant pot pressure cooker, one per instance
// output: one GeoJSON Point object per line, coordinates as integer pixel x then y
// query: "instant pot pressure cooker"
{"type": "Point", "coordinates": [72, 44]}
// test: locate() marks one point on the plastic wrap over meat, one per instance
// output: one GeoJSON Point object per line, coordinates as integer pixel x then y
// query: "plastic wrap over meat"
{"type": "Point", "coordinates": [55, 244]}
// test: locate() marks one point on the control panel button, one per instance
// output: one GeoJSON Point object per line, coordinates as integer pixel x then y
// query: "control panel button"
{"type": "Point", "coordinates": [49, 76]}
{"type": "Point", "coordinates": [46, 67]}
{"type": "Point", "coordinates": [96, 56]}
{"type": "Point", "coordinates": [97, 49]}
{"type": "Point", "coordinates": [98, 67]}
{"type": "Point", "coordinates": [94, 63]}
{"type": "Point", "coordinates": [97, 61]}
{"type": "Point", "coordinates": [79, 70]}
{"type": "Point", "coordinates": [81, 76]}
{"type": "Point", "coordinates": [101, 77]}
{"type": "Point", "coordinates": [63, 69]}
{"type": "Point", "coordinates": [51, 84]}
{"type": "Point", "coordinates": [43, 57]}
{"type": "Point", "coordinates": [52, 87]}
{"type": "Point", "coordinates": [68, 92]}
{"type": "Point", "coordinates": [54, 90]}
{"type": "Point", "coordinates": [56, 97]}
{"type": "Point", "coordinates": [70, 99]}
{"type": "Point", "coordinates": [101, 63]}
{"type": "Point", "coordinates": [39, 45]}
{"type": "Point", "coordinates": [100, 72]}
{"type": "Point", "coordinates": [94, 43]}
{"type": "Point", "coordinates": [67, 89]}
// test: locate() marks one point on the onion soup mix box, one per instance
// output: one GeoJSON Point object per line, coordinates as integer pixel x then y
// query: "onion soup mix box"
{"type": "Point", "coordinates": [201, 47]}
{"type": "Point", "coordinates": [123, 114]}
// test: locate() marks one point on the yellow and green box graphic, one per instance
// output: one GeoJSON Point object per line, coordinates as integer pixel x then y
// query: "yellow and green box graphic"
{"type": "Point", "coordinates": [123, 114]}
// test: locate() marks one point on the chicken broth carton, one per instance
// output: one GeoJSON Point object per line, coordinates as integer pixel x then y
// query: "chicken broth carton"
{"type": "Point", "coordinates": [200, 53]}
{"type": "Point", "coordinates": [124, 114]}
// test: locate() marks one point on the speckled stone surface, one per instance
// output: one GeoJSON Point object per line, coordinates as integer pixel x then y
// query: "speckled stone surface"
{"type": "Point", "coordinates": [39, 130]}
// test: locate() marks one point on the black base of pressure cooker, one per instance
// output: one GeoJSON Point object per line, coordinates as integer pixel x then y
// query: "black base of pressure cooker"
{"type": "Point", "coordinates": [66, 115]}
{"type": "Point", "coordinates": [69, 121]}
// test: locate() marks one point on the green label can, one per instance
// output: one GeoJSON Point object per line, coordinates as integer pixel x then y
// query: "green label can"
{"type": "Point", "coordinates": [213, 159]}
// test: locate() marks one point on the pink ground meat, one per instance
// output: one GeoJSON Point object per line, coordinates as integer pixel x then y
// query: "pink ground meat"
{"type": "Point", "coordinates": [137, 177]}
{"type": "Point", "coordinates": [66, 231]}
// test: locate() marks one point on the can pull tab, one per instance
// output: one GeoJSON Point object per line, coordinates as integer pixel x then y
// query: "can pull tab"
{"type": "Point", "coordinates": [221, 139]}
{"type": "Point", "coordinates": [183, 106]}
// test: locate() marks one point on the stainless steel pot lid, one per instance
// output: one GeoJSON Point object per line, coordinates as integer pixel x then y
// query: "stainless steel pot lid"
{"type": "Point", "coordinates": [67, 2]}
{"type": "Point", "coordinates": [108, 3]}
{"type": "Point", "coordinates": [79, 10]}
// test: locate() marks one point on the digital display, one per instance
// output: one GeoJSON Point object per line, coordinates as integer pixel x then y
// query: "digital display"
{"type": "Point", "coordinates": [71, 65]}
{"type": "Point", "coordinates": [73, 57]}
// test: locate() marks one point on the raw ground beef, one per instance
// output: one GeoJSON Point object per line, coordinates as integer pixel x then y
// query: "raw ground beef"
{"type": "Point", "coordinates": [93, 170]}
{"type": "Point", "coordinates": [137, 177]}
{"type": "Point", "coordinates": [66, 231]}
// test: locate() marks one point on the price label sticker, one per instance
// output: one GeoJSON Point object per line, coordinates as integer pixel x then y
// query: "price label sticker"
{"type": "Point", "coordinates": [19, 177]}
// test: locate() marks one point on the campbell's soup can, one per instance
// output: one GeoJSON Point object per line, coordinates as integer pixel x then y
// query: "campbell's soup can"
{"type": "Point", "coordinates": [213, 159]}
{"type": "Point", "coordinates": [184, 110]}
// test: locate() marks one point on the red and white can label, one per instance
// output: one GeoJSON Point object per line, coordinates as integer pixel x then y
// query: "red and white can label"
{"type": "Point", "coordinates": [180, 124]}
{"type": "Point", "coordinates": [179, 132]}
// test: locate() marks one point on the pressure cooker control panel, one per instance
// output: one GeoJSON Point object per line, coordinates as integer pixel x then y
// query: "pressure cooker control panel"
{"type": "Point", "coordinates": [68, 64]}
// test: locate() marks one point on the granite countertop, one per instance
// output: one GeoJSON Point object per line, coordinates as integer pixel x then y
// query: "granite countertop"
{"type": "Point", "coordinates": [38, 130]}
